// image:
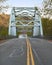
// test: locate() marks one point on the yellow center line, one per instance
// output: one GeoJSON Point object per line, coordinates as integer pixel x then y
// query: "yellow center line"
{"type": "Point", "coordinates": [32, 58]}
{"type": "Point", "coordinates": [29, 53]}
{"type": "Point", "coordinates": [28, 57]}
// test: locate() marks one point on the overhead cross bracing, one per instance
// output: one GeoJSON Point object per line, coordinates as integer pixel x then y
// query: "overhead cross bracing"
{"type": "Point", "coordinates": [24, 11]}
{"type": "Point", "coordinates": [25, 17]}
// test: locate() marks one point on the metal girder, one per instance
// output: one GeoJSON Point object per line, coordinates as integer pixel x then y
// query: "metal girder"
{"type": "Point", "coordinates": [24, 21]}
{"type": "Point", "coordinates": [24, 25]}
{"type": "Point", "coordinates": [25, 11]}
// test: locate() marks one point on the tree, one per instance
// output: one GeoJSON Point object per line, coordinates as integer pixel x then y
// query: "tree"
{"type": "Point", "coordinates": [2, 1]}
{"type": "Point", "coordinates": [36, 8]}
{"type": "Point", "coordinates": [2, 7]}
{"type": "Point", "coordinates": [47, 7]}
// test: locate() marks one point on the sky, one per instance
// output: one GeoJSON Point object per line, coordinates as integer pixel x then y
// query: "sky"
{"type": "Point", "coordinates": [23, 3]}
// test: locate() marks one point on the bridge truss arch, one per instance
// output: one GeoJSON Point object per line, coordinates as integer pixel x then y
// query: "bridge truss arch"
{"type": "Point", "coordinates": [28, 15]}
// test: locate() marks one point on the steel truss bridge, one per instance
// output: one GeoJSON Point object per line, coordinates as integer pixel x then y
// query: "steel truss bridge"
{"type": "Point", "coordinates": [28, 16]}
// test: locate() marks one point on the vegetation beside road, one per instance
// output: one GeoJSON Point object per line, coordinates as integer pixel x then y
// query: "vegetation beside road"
{"type": "Point", "coordinates": [47, 26]}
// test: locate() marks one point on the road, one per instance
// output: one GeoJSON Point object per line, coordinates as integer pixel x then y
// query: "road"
{"type": "Point", "coordinates": [14, 52]}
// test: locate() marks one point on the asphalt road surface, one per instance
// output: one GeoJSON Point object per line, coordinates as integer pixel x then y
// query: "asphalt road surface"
{"type": "Point", "coordinates": [14, 52]}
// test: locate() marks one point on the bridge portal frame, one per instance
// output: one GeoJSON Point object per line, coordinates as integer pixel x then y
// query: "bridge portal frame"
{"type": "Point", "coordinates": [24, 11]}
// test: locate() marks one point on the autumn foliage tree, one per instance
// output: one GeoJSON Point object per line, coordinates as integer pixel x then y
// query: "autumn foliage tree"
{"type": "Point", "coordinates": [47, 7]}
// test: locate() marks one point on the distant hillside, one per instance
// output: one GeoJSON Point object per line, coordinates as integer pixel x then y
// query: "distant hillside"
{"type": "Point", "coordinates": [4, 20]}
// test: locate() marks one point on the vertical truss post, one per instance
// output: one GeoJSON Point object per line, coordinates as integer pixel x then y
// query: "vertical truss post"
{"type": "Point", "coordinates": [12, 25]}
{"type": "Point", "coordinates": [37, 31]}
{"type": "Point", "coordinates": [41, 29]}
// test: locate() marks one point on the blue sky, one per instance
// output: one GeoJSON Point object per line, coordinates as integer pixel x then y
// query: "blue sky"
{"type": "Point", "coordinates": [24, 3]}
